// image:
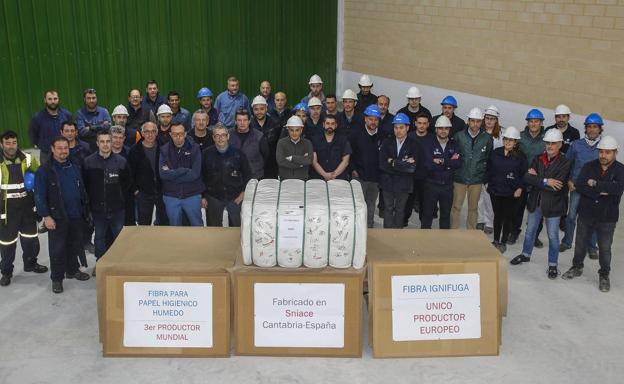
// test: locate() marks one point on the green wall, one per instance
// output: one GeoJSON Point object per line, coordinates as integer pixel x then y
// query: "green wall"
{"type": "Point", "coordinates": [115, 45]}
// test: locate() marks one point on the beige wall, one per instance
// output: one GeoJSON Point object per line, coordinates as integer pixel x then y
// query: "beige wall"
{"type": "Point", "coordinates": [530, 52]}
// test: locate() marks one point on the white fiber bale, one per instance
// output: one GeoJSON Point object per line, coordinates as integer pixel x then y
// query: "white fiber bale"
{"type": "Point", "coordinates": [315, 253]}
{"type": "Point", "coordinates": [264, 223]}
{"type": "Point", "coordinates": [342, 227]}
{"type": "Point", "coordinates": [361, 227]}
{"type": "Point", "coordinates": [290, 223]}
{"type": "Point", "coordinates": [246, 208]}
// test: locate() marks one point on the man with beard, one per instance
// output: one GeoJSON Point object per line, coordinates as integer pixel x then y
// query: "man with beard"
{"type": "Point", "coordinates": [316, 89]}
{"type": "Point", "coordinates": [449, 105]}
{"type": "Point", "coordinates": [251, 142]}
{"type": "Point", "coordinates": [270, 129]}
{"type": "Point", "coordinates": [204, 95]}
{"type": "Point", "coordinates": [294, 152]}
{"type": "Point", "coordinates": [349, 120]}
{"type": "Point", "coordinates": [331, 153]}
{"type": "Point", "coordinates": [120, 118]}
{"type": "Point", "coordinates": [365, 96]}
{"type": "Point", "coordinates": [153, 99]}
{"type": "Point", "coordinates": [314, 124]}
{"type": "Point", "coordinates": [199, 133]}
{"type": "Point", "coordinates": [91, 119]}
{"type": "Point", "coordinates": [414, 108]}
{"type": "Point", "coordinates": [164, 115]}
{"type": "Point", "coordinates": [179, 115]}
{"type": "Point", "coordinates": [46, 124]}
{"type": "Point", "coordinates": [385, 122]}
{"type": "Point", "coordinates": [137, 115]}
{"type": "Point", "coordinates": [562, 123]}
{"type": "Point", "coordinates": [331, 105]}
{"type": "Point", "coordinates": [230, 101]}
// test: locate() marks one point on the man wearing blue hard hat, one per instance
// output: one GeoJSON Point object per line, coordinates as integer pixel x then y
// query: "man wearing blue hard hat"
{"type": "Point", "coordinates": [17, 214]}
{"type": "Point", "coordinates": [449, 105]}
{"type": "Point", "coordinates": [204, 96]}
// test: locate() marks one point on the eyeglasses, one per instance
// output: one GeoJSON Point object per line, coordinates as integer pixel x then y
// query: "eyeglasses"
{"type": "Point", "coordinates": [150, 132]}
{"type": "Point", "coordinates": [220, 135]}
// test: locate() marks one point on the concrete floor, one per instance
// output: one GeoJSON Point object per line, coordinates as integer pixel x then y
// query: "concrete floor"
{"type": "Point", "coordinates": [555, 332]}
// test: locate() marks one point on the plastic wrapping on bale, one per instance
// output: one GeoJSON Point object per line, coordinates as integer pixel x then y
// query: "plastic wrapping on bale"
{"type": "Point", "coordinates": [316, 224]}
{"type": "Point", "coordinates": [250, 191]}
{"type": "Point", "coordinates": [361, 225]}
{"type": "Point", "coordinates": [290, 223]}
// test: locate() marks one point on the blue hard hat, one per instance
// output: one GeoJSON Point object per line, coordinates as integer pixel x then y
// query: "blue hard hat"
{"type": "Point", "coordinates": [29, 181]}
{"type": "Point", "coordinates": [204, 92]}
{"type": "Point", "coordinates": [535, 114]}
{"type": "Point", "coordinates": [372, 111]}
{"type": "Point", "coordinates": [594, 118]}
{"type": "Point", "coordinates": [301, 106]}
{"type": "Point", "coordinates": [449, 100]}
{"type": "Point", "coordinates": [401, 118]}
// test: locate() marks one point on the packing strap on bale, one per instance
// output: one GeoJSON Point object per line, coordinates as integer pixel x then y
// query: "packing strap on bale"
{"type": "Point", "coordinates": [354, 223]}
{"type": "Point", "coordinates": [305, 187]}
{"type": "Point", "coordinates": [251, 230]}
{"type": "Point", "coordinates": [279, 191]}
{"type": "Point", "coordinates": [328, 222]}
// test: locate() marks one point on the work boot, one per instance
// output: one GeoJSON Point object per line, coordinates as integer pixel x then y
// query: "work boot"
{"type": "Point", "coordinates": [93, 273]}
{"type": "Point", "coordinates": [593, 254]}
{"type": "Point", "coordinates": [604, 284]}
{"type": "Point", "coordinates": [81, 276]}
{"type": "Point", "coordinates": [513, 237]}
{"type": "Point", "coordinates": [488, 230]}
{"type": "Point", "coordinates": [564, 247]}
{"type": "Point", "coordinates": [538, 243]}
{"type": "Point", "coordinates": [57, 286]}
{"type": "Point", "coordinates": [480, 226]}
{"type": "Point", "coordinates": [90, 247]}
{"type": "Point", "coordinates": [552, 272]}
{"type": "Point", "coordinates": [36, 268]}
{"type": "Point", "coordinates": [502, 247]}
{"type": "Point", "coordinates": [5, 280]}
{"type": "Point", "coordinates": [520, 259]}
{"type": "Point", "coordinates": [573, 272]}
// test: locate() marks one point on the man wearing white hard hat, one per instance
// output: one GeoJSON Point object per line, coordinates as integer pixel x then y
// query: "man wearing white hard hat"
{"type": "Point", "coordinates": [475, 146]}
{"type": "Point", "coordinates": [164, 116]}
{"type": "Point", "coordinates": [313, 125]}
{"type": "Point", "coordinates": [270, 129]}
{"type": "Point", "coordinates": [506, 168]}
{"type": "Point", "coordinates": [547, 177]}
{"type": "Point", "coordinates": [294, 152]}
{"type": "Point", "coordinates": [562, 122]}
{"type": "Point", "coordinates": [365, 96]}
{"type": "Point", "coordinates": [120, 118]}
{"type": "Point", "coordinates": [600, 184]}
{"type": "Point", "coordinates": [316, 89]}
{"type": "Point", "coordinates": [414, 108]}
{"type": "Point", "coordinates": [349, 120]}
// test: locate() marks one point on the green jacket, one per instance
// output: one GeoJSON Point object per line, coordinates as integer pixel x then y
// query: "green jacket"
{"type": "Point", "coordinates": [532, 146]}
{"type": "Point", "coordinates": [27, 162]}
{"type": "Point", "coordinates": [474, 154]}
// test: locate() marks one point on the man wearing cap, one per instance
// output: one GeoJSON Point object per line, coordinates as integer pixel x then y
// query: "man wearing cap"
{"type": "Point", "coordinates": [120, 118]}
{"type": "Point", "coordinates": [271, 131]}
{"type": "Point", "coordinates": [331, 104]}
{"type": "Point", "coordinates": [413, 107]}
{"type": "Point", "coordinates": [225, 172]}
{"type": "Point", "coordinates": [46, 124]}
{"type": "Point", "coordinates": [294, 152]}
{"type": "Point", "coordinates": [600, 184]}
{"type": "Point", "coordinates": [90, 119]}
{"type": "Point", "coordinates": [137, 115]}
{"type": "Point", "coordinates": [301, 111]}
{"type": "Point", "coordinates": [265, 91]}
{"type": "Point", "coordinates": [281, 112]}
{"type": "Point", "coordinates": [547, 177]}
{"type": "Point", "coordinates": [314, 124]}
{"type": "Point", "coordinates": [204, 96]}
{"type": "Point", "coordinates": [17, 209]}
{"type": "Point", "coordinates": [179, 115]}
{"type": "Point", "coordinates": [562, 123]}
{"type": "Point", "coordinates": [580, 153]}
{"type": "Point", "coordinates": [475, 147]}
{"type": "Point", "coordinates": [385, 120]}
{"type": "Point", "coordinates": [365, 146]}
{"type": "Point", "coordinates": [331, 153]}
{"type": "Point", "coordinates": [251, 142]}
{"type": "Point", "coordinates": [230, 101]}
{"type": "Point", "coordinates": [165, 115]}
{"type": "Point", "coordinates": [398, 159]}
{"type": "Point", "coordinates": [532, 145]}
{"type": "Point", "coordinates": [153, 99]}
{"type": "Point", "coordinates": [449, 105]}
{"type": "Point", "coordinates": [316, 89]}
{"type": "Point", "coordinates": [349, 120]}
{"type": "Point", "coordinates": [200, 133]}
{"type": "Point", "coordinates": [365, 97]}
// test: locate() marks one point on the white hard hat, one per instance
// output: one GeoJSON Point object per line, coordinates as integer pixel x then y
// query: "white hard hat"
{"type": "Point", "coordinates": [120, 110]}
{"type": "Point", "coordinates": [553, 135]}
{"type": "Point", "coordinates": [475, 113]}
{"type": "Point", "coordinates": [315, 79]}
{"type": "Point", "coordinates": [163, 110]}
{"type": "Point", "coordinates": [314, 101]}
{"type": "Point", "coordinates": [258, 100]}
{"type": "Point", "coordinates": [443, 121]}
{"type": "Point", "coordinates": [492, 111]}
{"type": "Point", "coordinates": [294, 121]}
{"type": "Point", "coordinates": [562, 109]}
{"type": "Point", "coordinates": [607, 142]}
{"type": "Point", "coordinates": [511, 133]}
{"type": "Point", "coordinates": [349, 94]}
{"type": "Point", "coordinates": [413, 93]}
{"type": "Point", "coordinates": [365, 81]}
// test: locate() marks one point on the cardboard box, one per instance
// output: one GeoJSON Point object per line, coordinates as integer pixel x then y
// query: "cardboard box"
{"type": "Point", "coordinates": [177, 286]}
{"type": "Point", "coordinates": [434, 293]}
{"type": "Point", "coordinates": [298, 311]}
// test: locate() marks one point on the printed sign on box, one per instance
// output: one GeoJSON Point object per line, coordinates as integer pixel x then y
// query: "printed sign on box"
{"type": "Point", "coordinates": [436, 307]}
{"type": "Point", "coordinates": [299, 315]}
{"type": "Point", "coordinates": [168, 315]}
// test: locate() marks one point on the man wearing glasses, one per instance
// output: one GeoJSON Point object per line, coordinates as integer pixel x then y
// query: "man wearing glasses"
{"type": "Point", "coordinates": [91, 119]}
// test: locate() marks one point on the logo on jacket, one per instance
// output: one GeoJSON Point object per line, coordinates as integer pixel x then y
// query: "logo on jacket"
{"type": "Point", "coordinates": [511, 176]}
{"type": "Point", "coordinates": [484, 148]}
{"type": "Point", "coordinates": [437, 152]}
{"type": "Point", "coordinates": [234, 173]}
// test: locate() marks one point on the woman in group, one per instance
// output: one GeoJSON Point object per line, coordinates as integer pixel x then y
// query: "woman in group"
{"type": "Point", "coordinates": [505, 170]}
{"type": "Point", "coordinates": [484, 207]}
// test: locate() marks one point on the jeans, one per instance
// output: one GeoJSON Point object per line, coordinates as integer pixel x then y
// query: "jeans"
{"type": "Point", "coordinates": [604, 232]}
{"type": "Point", "coordinates": [575, 198]}
{"type": "Point", "coordinates": [434, 194]}
{"type": "Point", "coordinates": [214, 212]}
{"type": "Point", "coordinates": [371, 191]}
{"type": "Point", "coordinates": [191, 206]}
{"type": "Point", "coordinates": [552, 228]}
{"type": "Point", "coordinates": [107, 228]}
{"type": "Point", "coordinates": [394, 209]}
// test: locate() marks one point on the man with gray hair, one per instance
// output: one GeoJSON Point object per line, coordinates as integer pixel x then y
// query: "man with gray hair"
{"type": "Point", "coordinates": [200, 132]}
{"type": "Point", "coordinates": [118, 137]}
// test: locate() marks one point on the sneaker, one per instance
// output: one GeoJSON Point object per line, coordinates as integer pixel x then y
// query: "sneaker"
{"type": "Point", "coordinates": [5, 280]}
{"type": "Point", "coordinates": [37, 268]}
{"type": "Point", "coordinates": [573, 272]}
{"type": "Point", "coordinates": [564, 247]}
{"type": "Point", "coordinates": [593, 254]}
{"type": "Point", "coordinates": [57, 286]}
{"type": "Point", "coordinates": [538, 243]}
{"type": "Point", "coordinates": [604, 284]}
{"type": "Point", "coordinates": [81, 276]}
{"type": "Point", "coordinates": [89, 247]}
{"type": "Point", "coordinates": [488, 230]}
{"type": "Point", "coordinates": [502, 247]}
{"type": "Point", "coordinates": [552, 272]}
{"type": "Point", "coordinates": [480, 226]}
{"type": "Point", "coordinates": [83, 268]}
{"type": "Point", "coordinates": [513, 237]}
{"type": "Point", "coordinates": [519, 260]}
